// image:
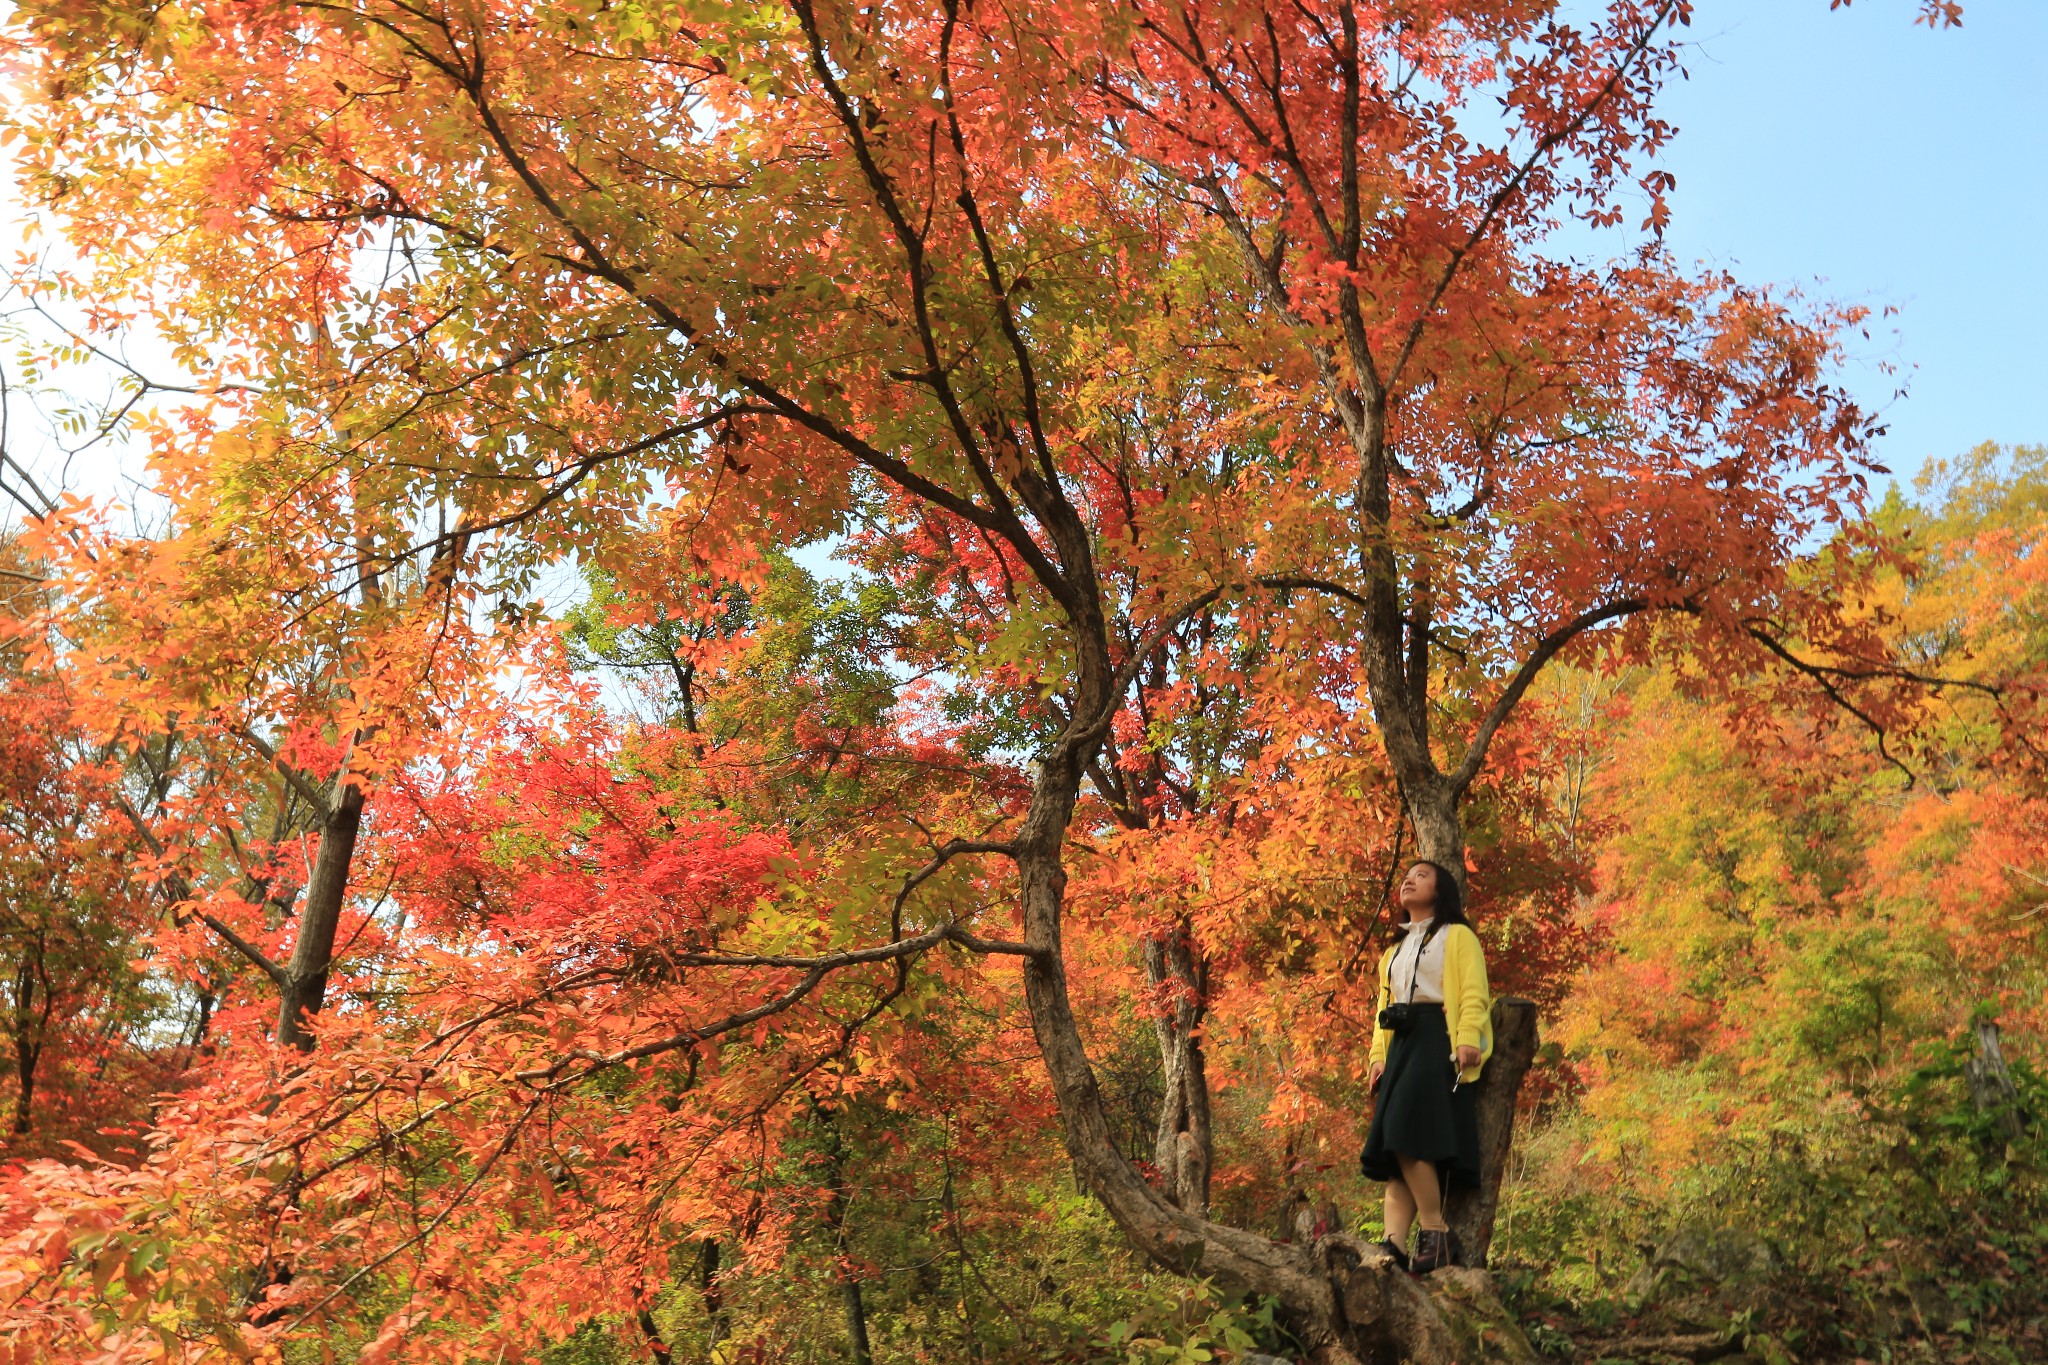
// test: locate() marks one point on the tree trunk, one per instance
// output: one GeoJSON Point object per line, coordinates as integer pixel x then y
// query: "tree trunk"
{"type": "Point", "coordinates": [1183, 1148]}
{"type": "Point", "coordinates": [712, 1293]}
{"type": "Point", "coordinates": [856, 1321]}
{"type": "Point", "coordinates": [835, 1218]}
{"type": "Point", "coordinates": [656, 1347]}
{"type": "Point", "coordinates": [1157, 1226]}
{"type": "Point", "coordinates": [28, 1036]}
{"type": "Point", "coordinates": [25, 1057]}
{"type": "Point", "coordinates": [26, 1054]}
{"type": "Point", "coordinates": [1386, 1316]}
{"type": "Point", "coordinates": [1349, 1305]}
{"type": "Point", "coordinates": [1439, 833]}
{"type": "Point", "coordinates": [304, 990]}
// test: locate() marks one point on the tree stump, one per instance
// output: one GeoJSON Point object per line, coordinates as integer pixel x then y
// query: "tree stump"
{"type": "Point", "coordinates": [1471, 1212]}
{"type": "Point", "coordinates": [1451, 1317]}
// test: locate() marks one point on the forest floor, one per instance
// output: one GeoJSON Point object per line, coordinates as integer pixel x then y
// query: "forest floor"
{"type": "Point", "coordinates": [1767, 1324]}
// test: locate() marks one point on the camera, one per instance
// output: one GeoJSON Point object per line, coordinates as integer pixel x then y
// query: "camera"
{"type": "Point", "coordinates": [1397, 1018]}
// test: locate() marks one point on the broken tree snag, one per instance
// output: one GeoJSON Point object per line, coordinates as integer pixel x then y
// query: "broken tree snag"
{"type": "Point", "coordinates": [1470, 1212]}
{"type": "Point", "coordinates": [1991, 1085]}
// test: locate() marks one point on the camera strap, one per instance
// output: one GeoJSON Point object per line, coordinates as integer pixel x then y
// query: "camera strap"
{"type": "Point", "coordinates": [1415, 965]}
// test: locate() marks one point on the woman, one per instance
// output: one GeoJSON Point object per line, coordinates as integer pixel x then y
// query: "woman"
{"type": "Point", "coordinates": [1433, 1003]}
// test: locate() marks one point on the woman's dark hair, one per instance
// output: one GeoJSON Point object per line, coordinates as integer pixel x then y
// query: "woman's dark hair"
{"type": "Point", "coordinates": [1450, 902]}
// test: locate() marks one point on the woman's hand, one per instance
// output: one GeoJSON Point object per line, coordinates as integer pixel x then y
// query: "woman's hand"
{"type": "Point", "coordinates": [1468, 1057]}
{"type": "Point", "coordinates": [1379, 1069]}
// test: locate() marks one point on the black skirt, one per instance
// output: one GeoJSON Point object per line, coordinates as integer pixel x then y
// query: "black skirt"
{"type": "Point", "coordinates": [1416, 1114]}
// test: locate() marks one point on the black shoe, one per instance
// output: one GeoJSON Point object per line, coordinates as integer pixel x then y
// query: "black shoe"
{"type": "Point", "coordinates": [1387, 1245]}
{"type": "Point", "coordinates": [1456, 1253]}
{"type": "Point", "coordinates": [1432, 1250]}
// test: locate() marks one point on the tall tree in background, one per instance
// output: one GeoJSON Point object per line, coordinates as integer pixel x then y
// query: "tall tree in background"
{"type": "Point", "coordinates": [1204, 334]}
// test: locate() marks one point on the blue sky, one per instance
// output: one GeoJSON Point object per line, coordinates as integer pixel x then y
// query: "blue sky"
{"type": "Point", "coordinates": [1870, 160]}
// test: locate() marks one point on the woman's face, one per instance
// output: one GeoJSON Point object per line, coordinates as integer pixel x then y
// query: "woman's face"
{"type": "Point", "coordinates": [1418, 891]}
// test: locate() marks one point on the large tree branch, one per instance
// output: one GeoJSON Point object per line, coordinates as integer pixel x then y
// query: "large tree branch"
{"type": "Point", "coordinates": [1310, 583]}
{"type": "Point", "coordinates": [1518, 686]}
{"type": "Point", "coordinates": [911, 241]}
{"type": "Point", "coordinates": [590, 259]}
{"type": "Point", "coordinates": [277, 974]}
{"type": "Point", "coordinates": [564, 1071]}
{"type": "Point", "coordinates": [1830, 678]}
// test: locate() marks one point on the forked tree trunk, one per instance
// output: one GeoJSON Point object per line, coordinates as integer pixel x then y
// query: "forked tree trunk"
{"type": "Point", "coordinates": [1439, 834]}
{"type": "Point", "coordinates": [31, 1030]}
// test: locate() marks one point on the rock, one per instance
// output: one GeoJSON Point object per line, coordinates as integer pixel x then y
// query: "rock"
{"type": "Point", "coordinates": [1702, 1276]}
{"type": "Point", "coordinates": [1712, 1256]}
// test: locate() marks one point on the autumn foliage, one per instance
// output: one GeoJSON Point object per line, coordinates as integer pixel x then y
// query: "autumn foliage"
{"type": "Point", "coordinates": [793, 648]}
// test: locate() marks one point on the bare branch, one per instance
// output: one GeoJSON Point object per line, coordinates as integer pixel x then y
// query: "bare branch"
{"type": "Point", "coordinates": [483, 1169]}
{"type": "Point", "coordinates": [1826, 678]}
{"type": "Point", "coordinates": [1312, 584]}
{"type": "Point", "coordinates": [277, 974]}
{"type": "Point", "coordinates": [1128, 673]}
{"type": "Point", "coordinates": [43, 504]}
{"type": "Point", "coordinates": [1156, 636]}
{"type": "Point", "coordinates": [308, 791]}
{"type": "Point", "coordinates": [179, 893]}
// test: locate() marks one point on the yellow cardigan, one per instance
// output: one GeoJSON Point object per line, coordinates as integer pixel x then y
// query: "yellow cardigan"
{"type": "Point", "coordinates": [1468, 1004]}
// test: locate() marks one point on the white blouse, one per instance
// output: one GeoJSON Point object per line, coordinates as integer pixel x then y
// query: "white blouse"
{"type": "Point", "coordinates": [1427, 974]}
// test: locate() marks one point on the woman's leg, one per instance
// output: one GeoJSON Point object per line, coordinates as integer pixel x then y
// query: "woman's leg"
{"type": "Point", "coordinates": [1400, 1212]}
{"type": "Point", "coordinates": [1418, 1178]}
